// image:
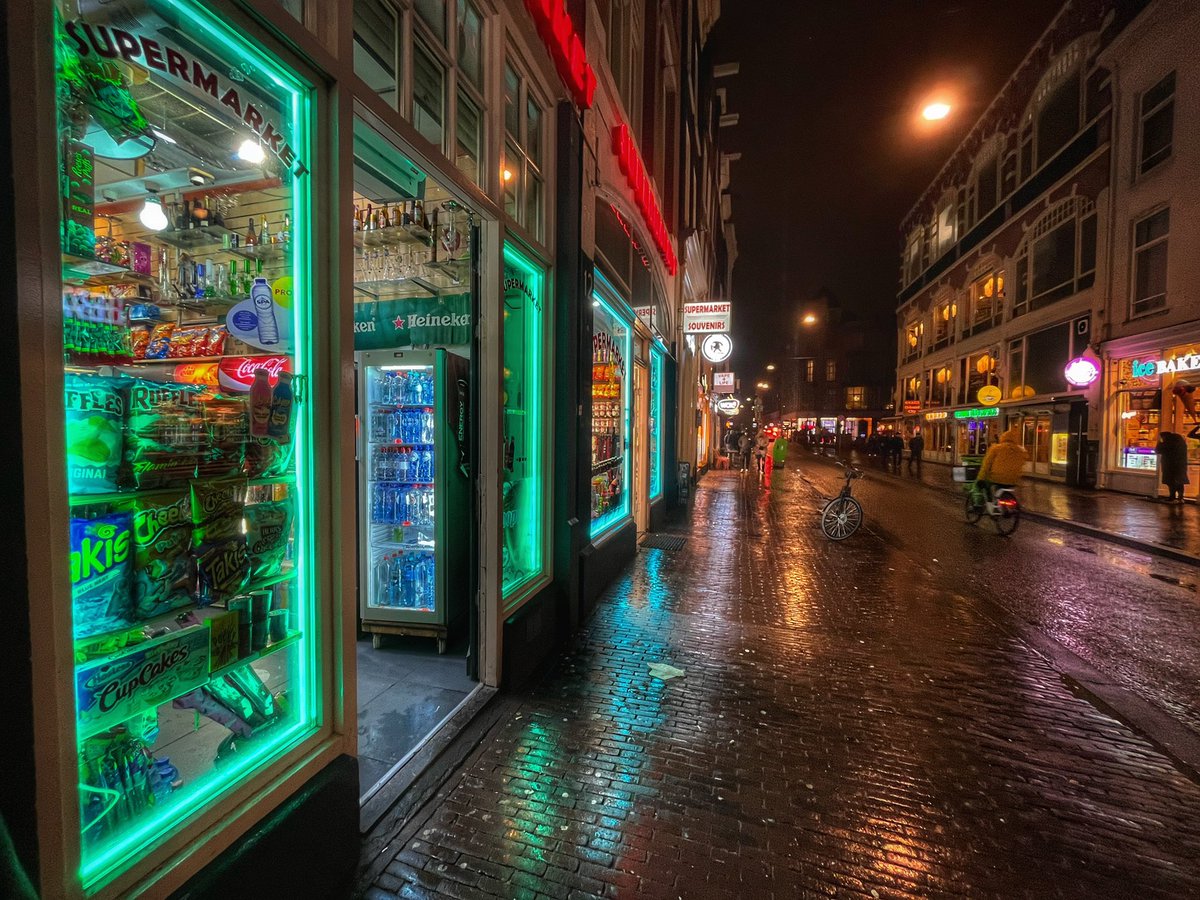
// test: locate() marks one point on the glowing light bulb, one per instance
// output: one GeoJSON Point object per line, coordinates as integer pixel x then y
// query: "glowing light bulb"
{"type": "Point", "coordinates": [935, 111]}
{"type": "Point", "coordinates": [506, 175]}
{"type": "Point", "coordinates": [152, 214]}
{"type": "Point", "coordinates": [251, 151]}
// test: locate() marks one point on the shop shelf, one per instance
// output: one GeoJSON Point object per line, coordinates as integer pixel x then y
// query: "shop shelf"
{"type": "Point", "coordinates": [293, 637]}
{"type": "Point", "coordinates": [457, 270]}
{"type": "Point", "coordinates": [210, 239]}
{"type": "Point", "coordinates": [117, 496]}
{"type": "Point", "coordinates": [397, 286]}
{"type": "Point", "coordinates": [399, 234]}
{"type": "Point", "coordinates": [611, 463]}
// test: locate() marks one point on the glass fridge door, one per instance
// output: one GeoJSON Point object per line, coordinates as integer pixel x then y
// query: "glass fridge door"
{"type": "Point", "coordinates": [400, 419]}
{"type": "Point", "coordinates": [189, 451]}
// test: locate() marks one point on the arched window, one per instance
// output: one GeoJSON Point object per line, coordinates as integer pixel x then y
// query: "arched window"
{"type": "Point", "coordinates": [1057, 256]}
{"type": "Point", "coordinates": [1055, 114]}
{"type": "Point", "coordinates": [984, 192]}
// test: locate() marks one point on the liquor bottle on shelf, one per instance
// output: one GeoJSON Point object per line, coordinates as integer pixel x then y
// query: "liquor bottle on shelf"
{"type": "Point", "coordinates": [286, 235]}
{"type": "Point", "coordinates": [200, 212]}
{"type": "Point", "coordinates": [406, 216]}
{"type": "Point", "coordinates": [264, 232]}
{"type": "Point", "coordinates": [369, 221]}
{"type": "Point", "coordinates": [251, 238]}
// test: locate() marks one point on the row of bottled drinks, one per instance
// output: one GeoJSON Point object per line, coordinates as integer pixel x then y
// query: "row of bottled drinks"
{"type": "Point", "coordinates": [406, 580]}
{"type": "Point", "coordinates": [396, 504]}
{"type": "Point", "coordinates": [403, 465]}
{"type": "Point", "coordinates": [404, 426]}
{"type": "Point", "coordinates": [411, 387]}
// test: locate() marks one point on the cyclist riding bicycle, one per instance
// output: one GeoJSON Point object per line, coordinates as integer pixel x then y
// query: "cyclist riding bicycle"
{"type": "Point", "coordinates": [1003, 465]}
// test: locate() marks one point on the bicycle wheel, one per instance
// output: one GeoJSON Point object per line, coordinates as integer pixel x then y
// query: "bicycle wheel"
{"type": "Point", "coordinates": [973, 509]}
{"type": "Point", "coordinates": [1007, 519]}
{"type": "Point", "coordinates": [840, 518]}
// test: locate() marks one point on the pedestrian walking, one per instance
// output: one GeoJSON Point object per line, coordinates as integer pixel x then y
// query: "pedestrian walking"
{"type": "Point", "coordinates": [760, 452]}
{"type": "Point", "coordinates": [916, 449]}
{"type": "Point", "coordinates": [895, 452]}
{"type": "Point", "coordinates": [744, 450]}
{"type": "Point", "coordinates": [1173, 464]}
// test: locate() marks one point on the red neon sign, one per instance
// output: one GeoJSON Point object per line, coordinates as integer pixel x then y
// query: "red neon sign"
{"type": "Point", "coordinates": [558, 32]}
{"type": "Point", "coordinates": [634, 171]}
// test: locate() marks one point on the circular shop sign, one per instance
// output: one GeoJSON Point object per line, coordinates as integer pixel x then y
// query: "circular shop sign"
{"type": "Point", "coordinates": [990, 395]}
{"type": "Point", "coordinates": [729, 406]}
{"type": "Point", "coordinates": [716, 348]}
{"type": "Point", "coordinates": [1082, 371]}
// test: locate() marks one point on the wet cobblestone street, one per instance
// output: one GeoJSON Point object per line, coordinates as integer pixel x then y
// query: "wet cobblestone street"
{"type": "Point", "coordinates": [845, 726]}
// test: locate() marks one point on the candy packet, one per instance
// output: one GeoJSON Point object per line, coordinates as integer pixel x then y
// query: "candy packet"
{"type": "Point", "coordinates": [101, 555]}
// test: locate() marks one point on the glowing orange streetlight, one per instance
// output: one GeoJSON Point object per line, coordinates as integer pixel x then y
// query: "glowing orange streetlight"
{"type": "Point", "coordinates": [809, 319]}
{"type": "Point", "coordinates": [934, 112]}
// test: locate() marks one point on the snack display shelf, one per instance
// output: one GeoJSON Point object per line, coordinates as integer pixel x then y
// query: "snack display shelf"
{"type": "Point", "coordinates": [272, 647]}
{"type": "Point", "coordinates": [179, 360]}
{"type": "Point", "coordinates": [605, 465]}
{"type": "Point", "coordinates": [168, 618]}
{"type": "Point", "coordinates": [394, 234]}
{"type": "Point", "coordinates": [117, 496]}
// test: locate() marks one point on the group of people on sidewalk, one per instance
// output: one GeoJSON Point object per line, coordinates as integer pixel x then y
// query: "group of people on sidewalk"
{"type": "Point", "coordinates": [768, 452]}
{"type": "Point", "coordinates": [888, 448]}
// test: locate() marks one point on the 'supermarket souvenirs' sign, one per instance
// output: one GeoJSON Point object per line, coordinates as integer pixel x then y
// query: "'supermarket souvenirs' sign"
{"type": "Point", "coordinates": [706, 318]}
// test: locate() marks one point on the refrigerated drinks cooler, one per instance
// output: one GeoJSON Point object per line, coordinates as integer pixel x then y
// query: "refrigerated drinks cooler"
{"type": "Point", "coordinates": [413, 535]}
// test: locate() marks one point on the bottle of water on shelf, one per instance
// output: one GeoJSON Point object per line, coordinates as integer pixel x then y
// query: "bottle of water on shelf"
{"type": "Point", "coordinates": [430, 581]}
{"type": "Point", "coordinates": [396, 592]}
{"type": "Point", "coordinates": [401, 467]}
{"type": "Point", "coordinates": [383, 580]}
{"type": "Point", "coordinates": [408, 582]}
{"type": "Point", "coordinates": [420, 583]}
{"type": "Point", "coordinates": [427, 466]}
{"type": "Point", "coordinates": [430, 505]}
{"type": "Point", "coordinates": [427, 426]}
{"type": "Point", "coordinates": [377, 505]}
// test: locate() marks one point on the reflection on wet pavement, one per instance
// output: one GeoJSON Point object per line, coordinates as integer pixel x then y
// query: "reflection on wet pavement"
{"type": "Point", "coordinates": [846, 727]}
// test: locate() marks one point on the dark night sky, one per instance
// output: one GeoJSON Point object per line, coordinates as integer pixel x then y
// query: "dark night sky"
{"type": "Point", "coordinates": [832, 155]}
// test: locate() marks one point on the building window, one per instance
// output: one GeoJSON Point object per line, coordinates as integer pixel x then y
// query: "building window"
{"type": "Point", "coordinates": [945, 315]}
{"type": "Point", "coordinates": [1036, 361]}
{"type": "Point", "coordinates": [941, 385]}
{"type": "Point", "coordinates": [944, 229]}
{"type": "Point", "coordinates": [444, 97]}
{"type": "Point", "coordinates": [987, 300]}
{"type": "Point", "coordinates": [524, 152]}
{"type": "Point", "coordinates": [808, 370]}
{"type": "Point", "coordinates": [914, 334]}
{"type": "Point", "coordinates": [987, 187]}
{"type": "Point", "coordinates": [623, 29]}
{"type": "Point", "coordinates": [980, 371]}
{"type": "Point", "coordinates": [1157, 124]}
{"type": "Point", "coordinates": [1057, 256]}
{"type": "Point", "coordinates": [831, 370]}
{"type": "Point", "coordinates": [912, 258]}
{"type": "Point", "coordinates": [1150, 262]}
{"type": "Point", "coordinates": [856, 398]}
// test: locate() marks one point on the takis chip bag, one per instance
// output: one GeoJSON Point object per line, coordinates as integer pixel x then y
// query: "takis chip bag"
{"type": "Point", "coordinates": [95, 419]}
{"type": "Point", "coordinates": [164, 434]}
{"type": "Point", "coordinates": [268, 526]}
{"type": "Point", "coordinates": [101, 554]}
{"type": "Point", "coordinates": [222, 570]}
{"type": "Point", "coordinates": [162, 574]}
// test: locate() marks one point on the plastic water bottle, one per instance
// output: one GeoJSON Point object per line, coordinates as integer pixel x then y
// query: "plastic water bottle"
{"type": "Point", "coordinates": [430, 580]}
{"type": "Point", "coordinates": [408, 586]}
{"type": "Point", "coordinates": [396, 591]}
{"type": "Point", "coordinates": [383, 581]}
{"type": "Point", "coordinates": [264, 308]}
{"type": "Point", "coordinates": [401, 467]}
{"type": "Point", "coordinates": [427, 426]}
{"type": "Point", "coordinates": [420, 583]}
{"type": "Point", "coordinates": [426, 466]}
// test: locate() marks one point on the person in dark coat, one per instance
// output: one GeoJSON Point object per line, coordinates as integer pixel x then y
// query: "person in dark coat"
{"type": "Point", "coordinates": [916, 450]}
{"type": "Point", "coordinates": [1172, 453]}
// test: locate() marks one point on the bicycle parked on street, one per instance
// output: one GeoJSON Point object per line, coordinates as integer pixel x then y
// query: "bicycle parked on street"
{"type": "Point", "coordinates": [843, 515]}
{"type": "Point", "coordinates": [1004, 509]}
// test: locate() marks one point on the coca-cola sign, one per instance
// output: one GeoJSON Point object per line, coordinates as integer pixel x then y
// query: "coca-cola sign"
{"type": "Point", "coordinates": [236, 373]}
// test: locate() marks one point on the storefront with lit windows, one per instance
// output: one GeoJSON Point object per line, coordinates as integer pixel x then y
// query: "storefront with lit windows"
{"type": "Point", "coordinates": [1152, 385]}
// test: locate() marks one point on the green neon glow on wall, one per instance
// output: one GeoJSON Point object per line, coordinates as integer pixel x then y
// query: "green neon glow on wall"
{"type": "Point", "coordinates": [657, 406]}
{"type": "Point", "coordinates": [615, 515]}
{"type": "Point", "coordinates": [304, 688]}
{"type": "Point", "coordinates": [524, 353]}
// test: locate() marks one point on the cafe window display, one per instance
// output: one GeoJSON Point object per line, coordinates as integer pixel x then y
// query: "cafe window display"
{"type": "Point", "coordinates": [523, 396]}
{"type": "Point", "coordinates": [186, 310]}
{"type": "Point", "coordinates": [610, 416]}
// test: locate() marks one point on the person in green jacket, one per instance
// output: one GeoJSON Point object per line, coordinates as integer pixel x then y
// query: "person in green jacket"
{"type": "Point", "coordinates": [779, 451]}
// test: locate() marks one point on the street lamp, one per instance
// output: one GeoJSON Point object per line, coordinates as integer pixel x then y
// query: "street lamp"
{"type": "Point", "coordinates": [935, 111]}
{"type": "Point", "coordinates": [770, 367]}
{"type": "Point", "coordinates": [809, 319]}
{"type": "Point", "coordinates": [762, 386]}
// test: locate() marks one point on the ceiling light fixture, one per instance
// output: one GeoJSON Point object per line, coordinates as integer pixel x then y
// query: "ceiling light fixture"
{"type": "Point", "coordinates": [935, 111]}
{"type": "Point", "coordinates": [251, 151]}
{"type": "Point", "coordinates": [152, 215]}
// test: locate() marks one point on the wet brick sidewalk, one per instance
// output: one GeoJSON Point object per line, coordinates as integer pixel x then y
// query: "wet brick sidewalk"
{"type": "Point", "coordinates": [844, 728]}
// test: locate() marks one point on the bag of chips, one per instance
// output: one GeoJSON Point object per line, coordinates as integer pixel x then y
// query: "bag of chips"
{"type": "Point", "coordinates": [268, 527]}
{"type": "Point", "coordinates": [139, 340]}
{"type": "Point", "coordinates": [160, 341]}
{"type": "Point", "coordinates": [95, 419]}
{"type": "Point", "coordinates": [164, 434]}
{"type": "Point", "coordinates": [214, 343]}
{"type": "Point", "coordinates": [162, 573]}
{"type": "Point", "coordinates": [226, 428]}
{"type": "Point", "coordinates": [222, 570]}
{"type": "Point", "coordinates": [217, 508]}
{"type": "Point", "coordinates": [102, 551]}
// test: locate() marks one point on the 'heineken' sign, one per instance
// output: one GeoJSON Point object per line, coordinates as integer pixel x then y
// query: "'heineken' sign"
{"type": "Point", "coordinates": [413, 322]}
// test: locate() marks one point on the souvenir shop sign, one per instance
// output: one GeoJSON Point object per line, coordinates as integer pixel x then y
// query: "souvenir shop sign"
{"type": "Point", "coordinates": [413, 322]}
{"type": "Point", "coordinates": [706, 318]}
{"type": "Point", "coordinates": [111, 690]}
{"type": "Point", "coordinates": [115, 43]}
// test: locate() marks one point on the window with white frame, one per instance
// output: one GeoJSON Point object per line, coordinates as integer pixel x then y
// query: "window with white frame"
{"type": "Point", "coordinates": [522, 175]}
{"type": "Point", "coordinates": [1057, 256]}
{"type": "Point", "coordinates": [914, 339]}
{"type": "Point", "coordinates": [809, 368]}
{"type": "Point", "coordinates": [945, 318]}
{"type": "Point", "coordinates": [831, 370]}
{"type": "Point", "coordinates": [987, 299]}
{"type": "Point", "coordinates": [1056, 112]}
{"type": "Point", "coordinates": [443, 92]}
{"type": "Point", "coordinates": [1150, 263]}
{"type": "Point", "coordinates": [1156, 124]}
{"type": "Point", "coordinates": [856, 398]}
{"type": "Point", "coordinates": [944, 228]}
